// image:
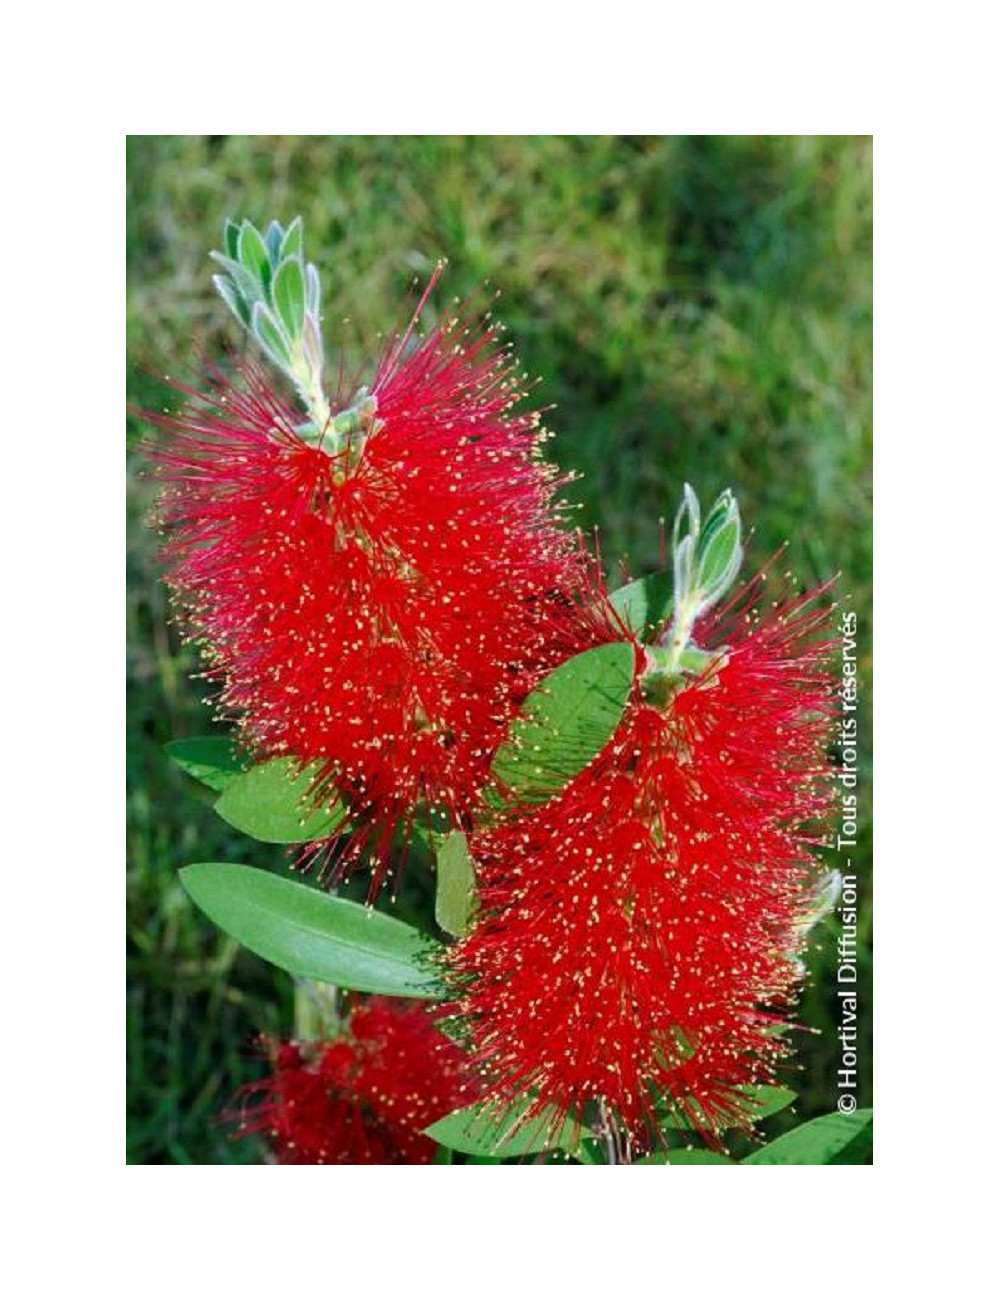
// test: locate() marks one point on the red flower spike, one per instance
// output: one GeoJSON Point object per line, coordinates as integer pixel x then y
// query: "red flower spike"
{"type": "Point", "coordinates": [362, 1099]}
{"type": "Point", "coordinates": [382, 596]}
{"type": "Point", "coordinates": [639, 934]}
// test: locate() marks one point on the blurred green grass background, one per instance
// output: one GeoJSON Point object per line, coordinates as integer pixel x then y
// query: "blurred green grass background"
{"type": "Point", "coordinates": [698, 308]}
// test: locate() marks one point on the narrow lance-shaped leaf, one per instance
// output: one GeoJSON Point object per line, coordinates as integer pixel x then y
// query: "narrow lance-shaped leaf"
{"type": "Point", "coordinates": [681, 1156]}
{"type": "Point", "coordinates": [683, 571]}
{"type": "Point", "coordinates": [481, 1132]}
{"type": "Point", "coordinates": [566, 722]}
{"type": "Point", "coordinates": [233, 299]}
{"type": "Point", "coordinates": [231, 234]}
{"type": "Point", "coordinates": [270, 336]}
{"type": "Point", "coordinates": [291, 245]}
{"type": "Point", "coordinates": [312, 344]}
{"type": "Point", "coordinates": [209, 759]}
{"type": "Point", "coordinates": [688, 517]}
{"type": "Point", "coordinates": [253, 253]}
{"type": "Point", "coordinates": [815, 1143]}
{"type": "Point", "coordinates": [311, 934]}
{"type": "Point", "coordinates": [455, 896]}
{"type": "Point", "coordinates": [290, 296]}
{"type": "Point", "coordinates": [720, 562]}
{"type": "Point", "coordinates": [248, 286]}
{"type": "Point", "coordinates": [645, 604]}
{"type": "Point", "coordinates": [272, 241]}
{"type": "Point", "coordinates": [764, 1101]}
{"type": "Point", "coordinates": [274, 802]}
{"type": "Point", "coordinates": [767, 1100]}
{"type": "Point", "coordinates": [589, 1152]}
{"type": "Point", "coordinates": [312, 290]}
{"type": "Point", "coordinates": [722, 509]}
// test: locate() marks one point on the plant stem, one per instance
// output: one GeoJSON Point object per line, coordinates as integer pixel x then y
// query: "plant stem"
{"type": "Point", "coordinates": [617, 1143]}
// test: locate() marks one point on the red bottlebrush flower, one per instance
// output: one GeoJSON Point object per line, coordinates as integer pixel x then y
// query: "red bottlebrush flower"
{"type": "Point", "coordinates": [380, 597]}
{"type": "Point", "coordinates": [638, 936]}
{"type": "Point", "coordinates": [362, 1099]}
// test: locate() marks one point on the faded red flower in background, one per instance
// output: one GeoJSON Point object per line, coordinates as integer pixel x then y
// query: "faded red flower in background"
{"type": "Point", "coordinates": [380, 600]}
{"type": "Point", "coordinates": [361, 1099]}
{"type": "Point", "coordinates": [638, 938]}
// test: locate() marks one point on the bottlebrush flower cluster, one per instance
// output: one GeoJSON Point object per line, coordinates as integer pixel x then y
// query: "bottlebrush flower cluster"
{"type": "Point", "coordinates": [381, 600]}
{"type": "Point", "coordinates": [377, 589]}
{"type": "Point", "coordinates": [639, 934]}
{"type": "Point", "coordinates": [364, 1097]}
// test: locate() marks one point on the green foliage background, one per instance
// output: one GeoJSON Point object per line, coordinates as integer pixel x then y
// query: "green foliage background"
{"type": "Point", "coordinates": [698, 308]}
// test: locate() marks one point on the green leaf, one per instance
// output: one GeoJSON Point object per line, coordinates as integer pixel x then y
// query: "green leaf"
{"type": "Point", "coordinates": [699, 1156]}
{"type": "Point", "coordinates": [718, 553]}
{"type": "Point", "coordinates": [480, 1132]}
{"type": "Point", "coordinates": [273, 803]}
{"type": "Point", "coordinates": [858, 1151]}
{"type": "Point", "coordinates": [456, 882]}
{"type": "Point", "coordinates": [768, 1100]}
{"type": "Point", "coordinates": [679, 1156]}
{"type": "Point", "coordinates": [272, 242]}
{"type": "Point", "coordinates": [269, 335]}
{"type": "Point", "coordinates": [815, 1143]}
{"type": "Point", "coordinates": [312, 290]}
{"type": "Point", "coordinates": [722, 508]}
{"type": "Point", "coordinates": [645, 604]}
{"type": "Point", "coordinates": [253, 254]}
{"type": "Point", "coordinates": [590, 1152]}
{"type": "Point", "coordinates": [683, 571]}
{"type": "Point", "coordinates": [688, 517]}
{"type": "Point", "coordinates": [566, 722]}
{"type": "Point", "coordinates": [233, 299]}
{"type": "Point", "coordinates": [290, 296]}
{"type": "Point", "coordinates": [312, 343]}
{"type": "Point", "coordinates": [209, 759]}
{"type": "Point", "coordinates": [312, 934]}
{"type": "Point", "coordinates": [246, 284]}
{"type": "Point", "coordinates": [291, 245]}
{"type": "Point", "coordinates": [720, 562]}
{"type": "Point", "coordinates": [765, 1101]}
{"type": "Point", "coordinates": [231, 238]}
